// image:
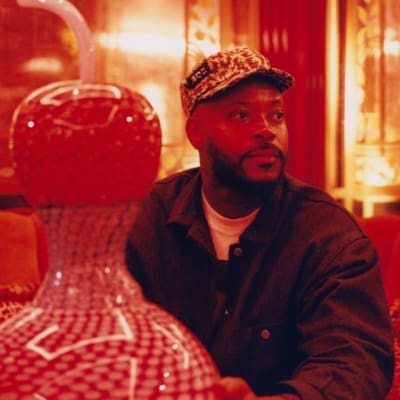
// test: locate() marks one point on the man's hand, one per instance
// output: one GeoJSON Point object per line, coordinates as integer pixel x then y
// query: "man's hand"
{"type": "Point", "coordinates": [230, 388]}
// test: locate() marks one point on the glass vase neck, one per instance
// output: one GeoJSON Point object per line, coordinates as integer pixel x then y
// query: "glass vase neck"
{"type": "Point", "coordinates": [86, 247]}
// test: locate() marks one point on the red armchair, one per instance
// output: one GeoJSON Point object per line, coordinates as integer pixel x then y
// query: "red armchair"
{"type": "Point", "coordinates": [384, 230]}
{"type": "Point", "coordinates": [23, 259]}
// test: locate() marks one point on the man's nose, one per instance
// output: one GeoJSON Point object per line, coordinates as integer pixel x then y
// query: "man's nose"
{"type": "Point", "coordinates": [264, 134]}
{"type": "Point", "coordinates": [262, 131]}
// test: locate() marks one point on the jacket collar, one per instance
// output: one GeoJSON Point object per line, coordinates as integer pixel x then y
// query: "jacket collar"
{"type": "Point", "coordinates": [187, 210]}
{"type": "Point", "coordinates": [187, 206]}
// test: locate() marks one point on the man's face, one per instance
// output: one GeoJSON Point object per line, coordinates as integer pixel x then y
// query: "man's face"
{"type": "Point", "coordinates": [242, 136]}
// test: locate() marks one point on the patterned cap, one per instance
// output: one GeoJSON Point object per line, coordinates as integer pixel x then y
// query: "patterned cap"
{"type": "Point", "coordinates": [224, 69]}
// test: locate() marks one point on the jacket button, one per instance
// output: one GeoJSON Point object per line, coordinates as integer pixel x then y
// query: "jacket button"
{"type": "Point", "coordinates": [237, 251]}
{"type": "Point", "coordinates": [265, 334]}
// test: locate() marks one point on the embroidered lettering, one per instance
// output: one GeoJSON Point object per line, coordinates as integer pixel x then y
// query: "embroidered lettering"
{"type": "Point", "coordinates": [197, 75]}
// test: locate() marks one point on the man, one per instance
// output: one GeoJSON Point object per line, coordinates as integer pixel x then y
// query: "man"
{"type": "Point", "coordinates": [275, 278]}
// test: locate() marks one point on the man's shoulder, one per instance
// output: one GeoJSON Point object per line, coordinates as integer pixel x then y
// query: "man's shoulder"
{"type": "Point", "coordinates": [180, 185]}
{"type": "Point", "coordinates": [308, 192]}
{"type": "Point", "coordinates": [177, 180]}
{"type": "Point", "coordinates": [312, 200]}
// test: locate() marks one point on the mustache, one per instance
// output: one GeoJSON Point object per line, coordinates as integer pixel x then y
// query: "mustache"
{"type": "Point", "coordinates": [276, 151]}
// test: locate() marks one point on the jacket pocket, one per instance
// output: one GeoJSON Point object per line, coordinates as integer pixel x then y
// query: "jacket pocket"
{"type": "Point", "coordinates": [266, 352]}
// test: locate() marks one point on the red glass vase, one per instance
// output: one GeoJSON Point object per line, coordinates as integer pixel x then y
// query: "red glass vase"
{"type": "Point", "coordinates": [85, 155]}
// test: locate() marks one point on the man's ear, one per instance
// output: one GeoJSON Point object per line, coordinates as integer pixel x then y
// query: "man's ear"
{"type": "Point", "coordinates": [194, 132]}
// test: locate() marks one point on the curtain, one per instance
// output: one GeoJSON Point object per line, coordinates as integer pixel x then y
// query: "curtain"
{"type": "Point", "coordinates": [293, 37]}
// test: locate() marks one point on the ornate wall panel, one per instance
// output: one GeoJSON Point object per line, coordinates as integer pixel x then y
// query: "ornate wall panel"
{"type": "Point", "coordinates": [369, 142]}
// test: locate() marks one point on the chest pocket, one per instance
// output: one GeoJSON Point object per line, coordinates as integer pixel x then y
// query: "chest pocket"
{"type": "Point", "coordinates": [262, 354]}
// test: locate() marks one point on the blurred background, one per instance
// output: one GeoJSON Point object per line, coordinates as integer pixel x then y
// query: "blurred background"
{"type": "Point", "coordinates": [343, 113]}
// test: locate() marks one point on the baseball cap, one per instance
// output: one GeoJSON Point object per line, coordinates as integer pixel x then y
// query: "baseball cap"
{"type": "Point", "coordinates": [224, 69]}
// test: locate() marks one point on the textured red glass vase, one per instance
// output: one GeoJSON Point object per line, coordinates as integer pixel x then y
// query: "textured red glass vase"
{"type": "Point", "coordinates": [85, 144]}
{"type": "Point", "coordinates": [85, 154]}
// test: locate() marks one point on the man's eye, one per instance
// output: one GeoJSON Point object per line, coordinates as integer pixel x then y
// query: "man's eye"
{"type": "Point", "coordinates": [279, 116]}
{"type": "Point", "coordinates": [240, 115]}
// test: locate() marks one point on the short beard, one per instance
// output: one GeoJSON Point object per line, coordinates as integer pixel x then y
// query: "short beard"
{"type": "Point", "coordinates": [229, 177]}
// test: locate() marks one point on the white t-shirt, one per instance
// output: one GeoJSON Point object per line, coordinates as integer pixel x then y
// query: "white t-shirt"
{"type": "Point", "coordinates": [225, 231]}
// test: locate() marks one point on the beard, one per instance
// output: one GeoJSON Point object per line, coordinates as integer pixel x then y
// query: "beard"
{"type": "Point", "coordinates": [233, 176]}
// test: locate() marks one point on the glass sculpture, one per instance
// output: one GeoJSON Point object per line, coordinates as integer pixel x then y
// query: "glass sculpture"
{"type": "Point", "coordinates": [85, 154]}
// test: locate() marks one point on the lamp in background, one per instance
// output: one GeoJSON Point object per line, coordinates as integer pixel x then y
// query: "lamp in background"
{"type": "Point", "coordinates": [367, 140]}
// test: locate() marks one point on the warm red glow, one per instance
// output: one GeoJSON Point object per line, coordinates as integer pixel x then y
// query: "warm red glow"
{"type": "Point", "coordinates": [85, 144]}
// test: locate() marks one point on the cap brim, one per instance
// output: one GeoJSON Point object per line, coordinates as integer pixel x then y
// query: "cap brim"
{"type": "Point", "coordinates": [282, 79]}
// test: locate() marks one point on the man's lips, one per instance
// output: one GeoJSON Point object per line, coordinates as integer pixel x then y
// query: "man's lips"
{"type": "Point", "coordinates": [266, 153]}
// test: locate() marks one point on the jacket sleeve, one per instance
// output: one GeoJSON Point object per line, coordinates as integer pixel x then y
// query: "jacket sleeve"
{"type": "Point", "coordinates": [346, 338]}
{"type": "Point", "coordinates": [141, 257]}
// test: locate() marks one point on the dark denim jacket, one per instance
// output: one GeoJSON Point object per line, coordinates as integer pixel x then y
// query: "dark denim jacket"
{"type": "Point", "coordinates": [305, 307]}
